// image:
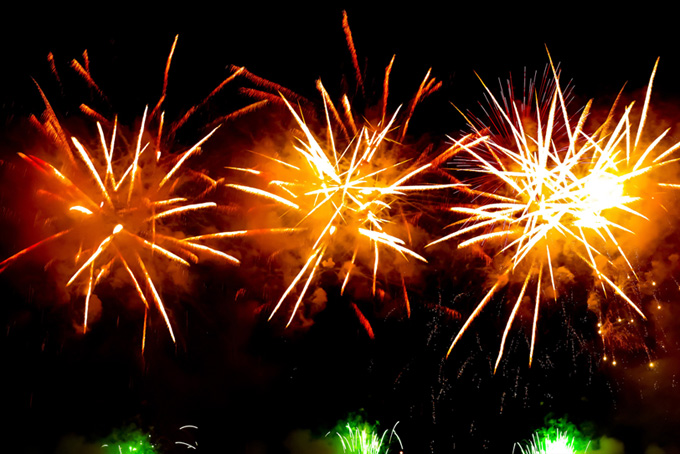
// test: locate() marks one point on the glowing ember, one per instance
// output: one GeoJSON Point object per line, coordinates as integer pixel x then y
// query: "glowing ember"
{"type": "Point", "coordinates": [552, 189]}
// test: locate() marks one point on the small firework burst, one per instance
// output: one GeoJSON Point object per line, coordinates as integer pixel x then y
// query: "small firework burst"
{"type": "Point", "coordinates": [362, 438]}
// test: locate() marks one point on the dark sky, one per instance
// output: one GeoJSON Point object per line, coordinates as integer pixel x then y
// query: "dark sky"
{"type": "Point", "coordinates": [249, 385]}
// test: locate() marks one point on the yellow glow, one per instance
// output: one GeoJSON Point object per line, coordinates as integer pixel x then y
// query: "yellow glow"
{"type": "Point", "coordinates": [552, 189]}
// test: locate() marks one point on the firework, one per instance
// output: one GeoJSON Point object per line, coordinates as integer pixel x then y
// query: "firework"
{"type": "Point", "coordinates": [560, 443]}
{"type": "Point", "coordinates": [123, 209]}
{"type": "Point", "coordinates": [559, 437]}
{"type": "Point", "coordinates": [130, 442]}
{"type": "Point", "coordinates": [363, 439]}
{"type": "Point", "coordinates": [346, 185]}
{"type": "Point", "coordinates": [554, 185]}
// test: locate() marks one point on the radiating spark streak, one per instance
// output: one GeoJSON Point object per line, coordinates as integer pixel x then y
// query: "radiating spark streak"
{"type": "Point", "coordinates": [386, 84]}
{"type": "Point", "coordinates": [237, 72]}
{"type": "Point", "coordinates": [295, 281]}
{"type": "Point", "coordinates": [107, 154]}
{"type": "Point", "coordinates": [50, 171]}
{"type": "Point", "coordinates": [328, 103]}
{"type": "Point", "coordinates": [156, 296]}
{"type": "Point", "coordinates": [510, 320]}
{"type": "Point", "coordinates": [160, 203]}
{"type": "Point", "coordinates": [85, 74]}
{"type": "Point", "coordinates": [413, 105]}
{"type": "Point", "coordinates": [140, 292]}
{"type": "Point", "coordinates": [474, 314]}
{"type": "Point", "coordinates": [376, 261]}
{"type": "Point", "coordinates": [265, 194]}
{"type": "Point", "coordinates": [146, 316]}
{"type": "Point", "coordinates": [185, 156]}
{"type": "Point", "coordinates": [536, 309]}
{"type": "Point", "coordinates": [476, 239]}
{"type": "Point", "coordinates": [240, 169]}
{"type": "Point", "coordinates": [101, 248]}
{"type": "Point", "coordinates": [392, 241]}
{"type": "Point", "coordinates": [405, 178]}
{"type": "Point", "coordinates": [87, 297]}
{"type": "Point", "coordinates": [348, 115]}
{"type": "Point", "coordinates": [90, 112]}
{"type": "Point", "coordinates": [329, 228]}
{"type": "Point", "coordinates": [127, 172]}
{"type": "Point", "coordinates": [363, 321]}
{"type": "Point", "coordinates": [349, 270]}
{"type": "Point", "coordinates": [53, 67]}
{"type": "Point", "coordinates": [181, 210]}
{"type": "Point", "coordinates": [406, 299]}
{"type": "Point", "coordinates": [313, 150]}
{"type": "Point", "coordinates": [199, 247]}
{"type": "Point", "coordinates": [165, 79]}
{"type": "Point", "coordinates": [304, 289]}
{"type": "Point", "coordinates": [264, 97]}
{"type": "Point", "coordinates": [80, 209]}
{"type": "Point", "coordinates": [643, 116]}
{"type": "Point", "coordinates": [236, 233]}
{"type": "Point", "coordinates": [111, 148]}
{"type": "Point", "coordinates": [279, 90]}
{"type": "Point", "coordinates": [103, 271]}
{"type": "Point", "coordinates": [154, 247]}
{"type": "Point", "coordinates": [239, 113]}
{"type": "Point", "coordinates": [138, 152]}
{"type": "Point", "coordinates": [90, 166]}
{"type": "Point", "coordinates": [86, 60]}
{"type": "Point", "coordinates": [353, 52]}
{"type": "Point", "coordinates": [619, 292]}
{"type": "Point", "coordinates": [215, 252]}
{"type": "Point", "coordinates": [159, 136]}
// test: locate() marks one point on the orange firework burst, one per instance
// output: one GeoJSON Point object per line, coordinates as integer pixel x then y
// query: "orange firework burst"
{"type": "Point", "coordinates": [119, 205]}
{"type": "Point", "coordinates": [346, 186]}
{"type": "Point", "coordinates": [553, 190]}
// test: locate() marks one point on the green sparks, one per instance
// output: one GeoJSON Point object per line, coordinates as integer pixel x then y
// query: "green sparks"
{"type": "Point", "coordinates": [129, 442]}
{"type": "Point", "coordinates": [362, 438]}
{"type": "Point", "coordinates": [559, 437]}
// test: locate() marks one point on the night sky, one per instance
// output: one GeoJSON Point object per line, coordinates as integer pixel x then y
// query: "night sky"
{"type": "Point", "coordinates": [252, 386]}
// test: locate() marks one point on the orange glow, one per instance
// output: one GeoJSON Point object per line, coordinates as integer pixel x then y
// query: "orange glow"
{"type": "Point", "coordinates": [554, 192]}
